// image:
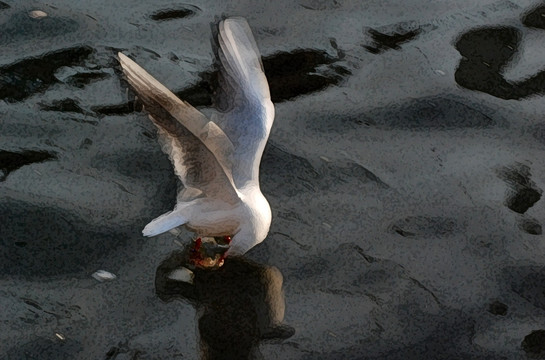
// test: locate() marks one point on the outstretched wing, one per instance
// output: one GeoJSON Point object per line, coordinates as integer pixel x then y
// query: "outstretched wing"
{"type": "Point", "coordinates": [245, 110]}
{"type": "Point", "coordinates": [200, 152]}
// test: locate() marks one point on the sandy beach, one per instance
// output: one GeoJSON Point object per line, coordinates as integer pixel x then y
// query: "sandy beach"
{"type": "Point", "coordinates": [405, 171]}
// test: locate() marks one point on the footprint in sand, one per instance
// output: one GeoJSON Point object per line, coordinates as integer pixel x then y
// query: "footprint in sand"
{"type": "Point", "coordinates": [487, 51]}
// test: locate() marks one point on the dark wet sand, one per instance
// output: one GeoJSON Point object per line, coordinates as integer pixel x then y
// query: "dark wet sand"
{"type": "Point", "coordinates": [405, 172]}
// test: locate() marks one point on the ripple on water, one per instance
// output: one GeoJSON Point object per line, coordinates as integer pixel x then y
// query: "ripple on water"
{"type": "Point", "coordinates": [22, 26]}
{"type": "Point", "coordinates": [486, 53]}
{"type": "Point", "coordinates": [423, 226]}
{"type": "Point", "coordinates": [286, 174]}
{"type": "Point", "coordinates": [527, 282]}
{"type": "Point", "coordinates": [11, 161]}
{"type": "Point", "coordinates": [535, 18]}
{"type": "Point", "coordinates": [27, 77]}
{"type": "Point", "coordinates": [178, 13]}
{"type": "Point", "coordinates": [524, 192]}
{"type": "Point", "coordinates": [37, 241]}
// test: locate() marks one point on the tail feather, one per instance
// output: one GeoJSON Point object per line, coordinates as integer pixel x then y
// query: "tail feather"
{"type": "Point", "coordinates": [164, 223]}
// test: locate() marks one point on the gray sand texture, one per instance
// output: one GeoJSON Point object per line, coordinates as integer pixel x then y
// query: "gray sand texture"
{"type": "Point", "coordinates": [405, 172]}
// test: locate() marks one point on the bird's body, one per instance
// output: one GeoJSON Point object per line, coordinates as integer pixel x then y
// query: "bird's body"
{"type": "Point", "coordinates": [216, 159]}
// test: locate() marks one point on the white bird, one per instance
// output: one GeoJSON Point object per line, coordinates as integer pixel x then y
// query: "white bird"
{"type": "Point", "coordinates": [216, 159]}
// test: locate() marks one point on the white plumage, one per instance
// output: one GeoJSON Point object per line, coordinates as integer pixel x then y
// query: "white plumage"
{"type": "Point", "coordinates": [216, 159]}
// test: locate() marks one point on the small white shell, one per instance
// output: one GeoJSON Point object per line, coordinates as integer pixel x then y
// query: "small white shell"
{"type": "Point", "coordinates": [103, 275]}
{"type": "Point", "coordinates": [182, 274]}
{"type": "Point", "coordinates": [60, 336]}
{"type": "Point", "coordinates": [37, 14]}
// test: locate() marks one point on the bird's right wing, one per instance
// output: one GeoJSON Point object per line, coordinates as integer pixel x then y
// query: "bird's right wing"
{"type": "Point", "coordinates": [200, 152]}
{"type": "Point", "coordinates": [246, 112]}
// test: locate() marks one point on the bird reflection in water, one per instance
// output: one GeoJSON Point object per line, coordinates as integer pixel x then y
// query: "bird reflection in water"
{"type": "Point", "coordinates": [238, 305]}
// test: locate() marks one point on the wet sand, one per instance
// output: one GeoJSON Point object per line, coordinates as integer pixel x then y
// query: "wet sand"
{"type": "Point", "coordinates": [404, 170]}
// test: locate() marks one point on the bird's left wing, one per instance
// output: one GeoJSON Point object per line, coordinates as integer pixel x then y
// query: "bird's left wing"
{"type": "Point", "coordinates": [201, 152]}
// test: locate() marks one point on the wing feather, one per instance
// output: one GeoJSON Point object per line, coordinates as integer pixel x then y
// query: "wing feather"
{"type": "Point", "coordinates": [246, 112]}
{"type": "Point", "coordinates": [200, 152]}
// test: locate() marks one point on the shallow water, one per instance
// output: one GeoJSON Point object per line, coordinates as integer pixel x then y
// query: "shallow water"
{"type": "Point", "coordinates": [404, 170]}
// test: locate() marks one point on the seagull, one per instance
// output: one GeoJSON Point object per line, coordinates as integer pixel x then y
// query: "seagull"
{"type": "Point", "coordinates": [217, 158]}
